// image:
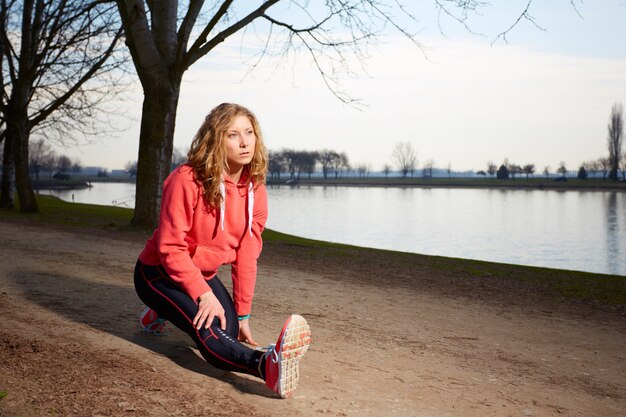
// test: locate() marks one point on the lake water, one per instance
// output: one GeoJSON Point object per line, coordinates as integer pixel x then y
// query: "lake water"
{"type": "Point", "coordinates": [578, 230]}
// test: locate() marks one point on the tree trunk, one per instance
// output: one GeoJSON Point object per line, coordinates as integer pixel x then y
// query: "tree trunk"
{"type": "Point", "coordinates": [156, 143]}
{"type": "Point", "coordinates": [25, 194]}
{"type": "Point", "coordinates": [6, 189]}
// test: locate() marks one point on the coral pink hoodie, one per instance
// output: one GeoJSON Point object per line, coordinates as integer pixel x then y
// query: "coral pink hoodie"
{"type": "Point", "coordinates": [193, 240]}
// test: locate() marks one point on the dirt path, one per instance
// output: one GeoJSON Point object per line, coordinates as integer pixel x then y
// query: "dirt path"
{"type": "Point", "coordinates": [69, 344]}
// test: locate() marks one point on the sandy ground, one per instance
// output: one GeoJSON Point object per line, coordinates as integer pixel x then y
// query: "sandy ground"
{"type": "Point", "coordinates": [385, 342]}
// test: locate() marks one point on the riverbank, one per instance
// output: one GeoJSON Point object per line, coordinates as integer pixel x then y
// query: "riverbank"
{"type": "Point", "coordinates": [454, 182]}
{"type": "Point", "coordinates": [393, 333]}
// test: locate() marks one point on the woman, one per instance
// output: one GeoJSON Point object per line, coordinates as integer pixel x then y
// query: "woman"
{"type": "Point", "coordinates": [213, 211]}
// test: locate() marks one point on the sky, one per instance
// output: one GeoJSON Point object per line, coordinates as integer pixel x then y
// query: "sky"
{"type": "Point", "coordinates": [542, 97]}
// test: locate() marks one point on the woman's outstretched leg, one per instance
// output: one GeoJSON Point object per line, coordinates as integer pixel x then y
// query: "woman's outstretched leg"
{"type": "Point", "coordinates": [278, 367]}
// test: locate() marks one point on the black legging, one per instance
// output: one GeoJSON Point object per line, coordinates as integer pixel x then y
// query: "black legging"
{"type": "Point", "coordinates": [220, 348]}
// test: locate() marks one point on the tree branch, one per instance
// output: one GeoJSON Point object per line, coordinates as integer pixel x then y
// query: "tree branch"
{"type": "Point", "coordinates": [184, 32]}
{"type": "Point", "coordinates": [523, 16]}
{"type": "Point", "coordinates": [44, 113]}
{"type": "Point", "coordinates": [202, 38]}
{"type": "Point", "coordinates": [198, 50]}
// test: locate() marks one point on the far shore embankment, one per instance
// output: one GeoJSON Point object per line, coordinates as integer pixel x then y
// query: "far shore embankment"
{"type": "Point", "coordinates": [573, 184]}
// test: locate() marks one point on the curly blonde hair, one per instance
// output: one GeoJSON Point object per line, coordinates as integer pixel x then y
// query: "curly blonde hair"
{"type": "Point", "coordinates": [207, 154]}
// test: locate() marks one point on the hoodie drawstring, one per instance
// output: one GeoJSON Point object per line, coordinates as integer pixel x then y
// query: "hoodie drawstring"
{"type": "Point", "coordinates": [222, 204]}
{"type": "Point", "coordinates": [250, 205]}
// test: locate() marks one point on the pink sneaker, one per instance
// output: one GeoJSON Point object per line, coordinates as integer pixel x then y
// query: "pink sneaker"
{"type": "Point", "coordinates": [283, 359]}
{"type": "Point", "coordinates": [151, 323]}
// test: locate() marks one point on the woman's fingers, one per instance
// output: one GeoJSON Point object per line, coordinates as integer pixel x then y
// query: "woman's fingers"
{"type": "Point", "coordinates": [209, 308]}
{"type": "Point", "coordinates": [222, 318]}
{"type": "Point", "coordinates": [245, 335]}
{"type": "Point", "coordinates": [197, 321]}
{"type": "Point", "coordinates": [210, 316]}
{"type": "Point", "coordinates": [210, 319]}
{"type": "Point", "coordinates": [250, 340]}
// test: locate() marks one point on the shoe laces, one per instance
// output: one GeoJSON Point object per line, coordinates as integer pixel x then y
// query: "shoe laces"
{"type": "Point", "coordinates": [272, 354]}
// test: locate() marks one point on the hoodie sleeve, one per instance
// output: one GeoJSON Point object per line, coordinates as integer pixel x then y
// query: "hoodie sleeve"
{"type": "Point", "coordinates": [244, 268]}
{"type": "Point", "coordinates": [180, 197]}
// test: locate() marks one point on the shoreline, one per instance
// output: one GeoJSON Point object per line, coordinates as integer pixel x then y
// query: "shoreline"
{"type": "Point", "coordinates": [473, 183]}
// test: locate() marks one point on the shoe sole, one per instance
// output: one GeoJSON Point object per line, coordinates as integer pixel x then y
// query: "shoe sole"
{"type": "Point", "coordinates": [294, 342]}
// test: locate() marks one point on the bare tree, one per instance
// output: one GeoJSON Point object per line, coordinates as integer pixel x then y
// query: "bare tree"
{"type": "Point", "coordinates": [546, 171]}
{"type": "Point", "coordinates": [131, 168]}
{"type": "Point", "coordinates": [404, 158]}
{"type": "Point", "coordinates": [562, 169]}
{"type": "Point", "coordinates": [528, 169]}
{"type": "Point", "coordinates": [363, 170]}
{"type": "Point", "coordinates": [76, 167]}
{"type": "Point", "coordinates": [276, 164]}
{"type": "Point", "coordinates": [39, 151]}
{"type": "Point", "coordinates": [306, 162]}
{"type": "Point", "coordinates": [64, 164]}
{"type": "Point", "coordinates": [339, 163]}
{"type": "Point", "coordinates": [49, 162]}
{"type": "Point", "coordinates": [514, 169]}
{"type": "Point", "coordinates": [326, 158]}
{"type": "Point", "coordinates": [605, 166]}
{"type": "Point", "coordinates": [386, 170]}
{"type": "Point", "coordinates": [491, 169]}
{"type": "Point", "coordinates": [427, 171]}
{"type": "Point", "coordinates": [49, 52]}
{"type": "Point", "coordinates": [291, 161]}
{"type": "Point", "coordinates": [592, 167]}
{"type": "Point", "coordinates": [614, 139]}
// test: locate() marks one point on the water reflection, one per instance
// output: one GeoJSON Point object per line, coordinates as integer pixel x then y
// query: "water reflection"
{"type": "Point", "coordinates": [581, 230]}
{"type": "Point", "coordinates": [612, 233]}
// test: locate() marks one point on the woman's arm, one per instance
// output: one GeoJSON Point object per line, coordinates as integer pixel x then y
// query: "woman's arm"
{"type": "Point", "coordinates": [180, 197]}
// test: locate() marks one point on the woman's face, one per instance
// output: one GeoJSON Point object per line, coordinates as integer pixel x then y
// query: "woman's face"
{"type": "Point", "coordinates": [240, 143]}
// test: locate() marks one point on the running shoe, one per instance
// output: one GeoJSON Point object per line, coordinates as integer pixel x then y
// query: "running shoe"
{"type": "Point", "coordinates": [283, 359]}
{"type": "Point", "coordinates": [151, 323]}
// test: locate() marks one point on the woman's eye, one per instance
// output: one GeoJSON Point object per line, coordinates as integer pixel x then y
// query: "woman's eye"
{"type": "Point", "coordinates": [232, 135]}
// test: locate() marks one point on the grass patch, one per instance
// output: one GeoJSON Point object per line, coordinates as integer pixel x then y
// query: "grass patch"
{"type": "Point", "coordinates": [278, 237]}
{"type": "Point", "coordinates": [565, 284]}
{"type": "Point", "coordinates": [53, 210]}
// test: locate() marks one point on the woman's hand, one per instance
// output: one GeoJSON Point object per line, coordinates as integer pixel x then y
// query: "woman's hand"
{"type": "Point", "coordinates": [244, 333]}
{"type": "Point", "coordinates": [209, 307]}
